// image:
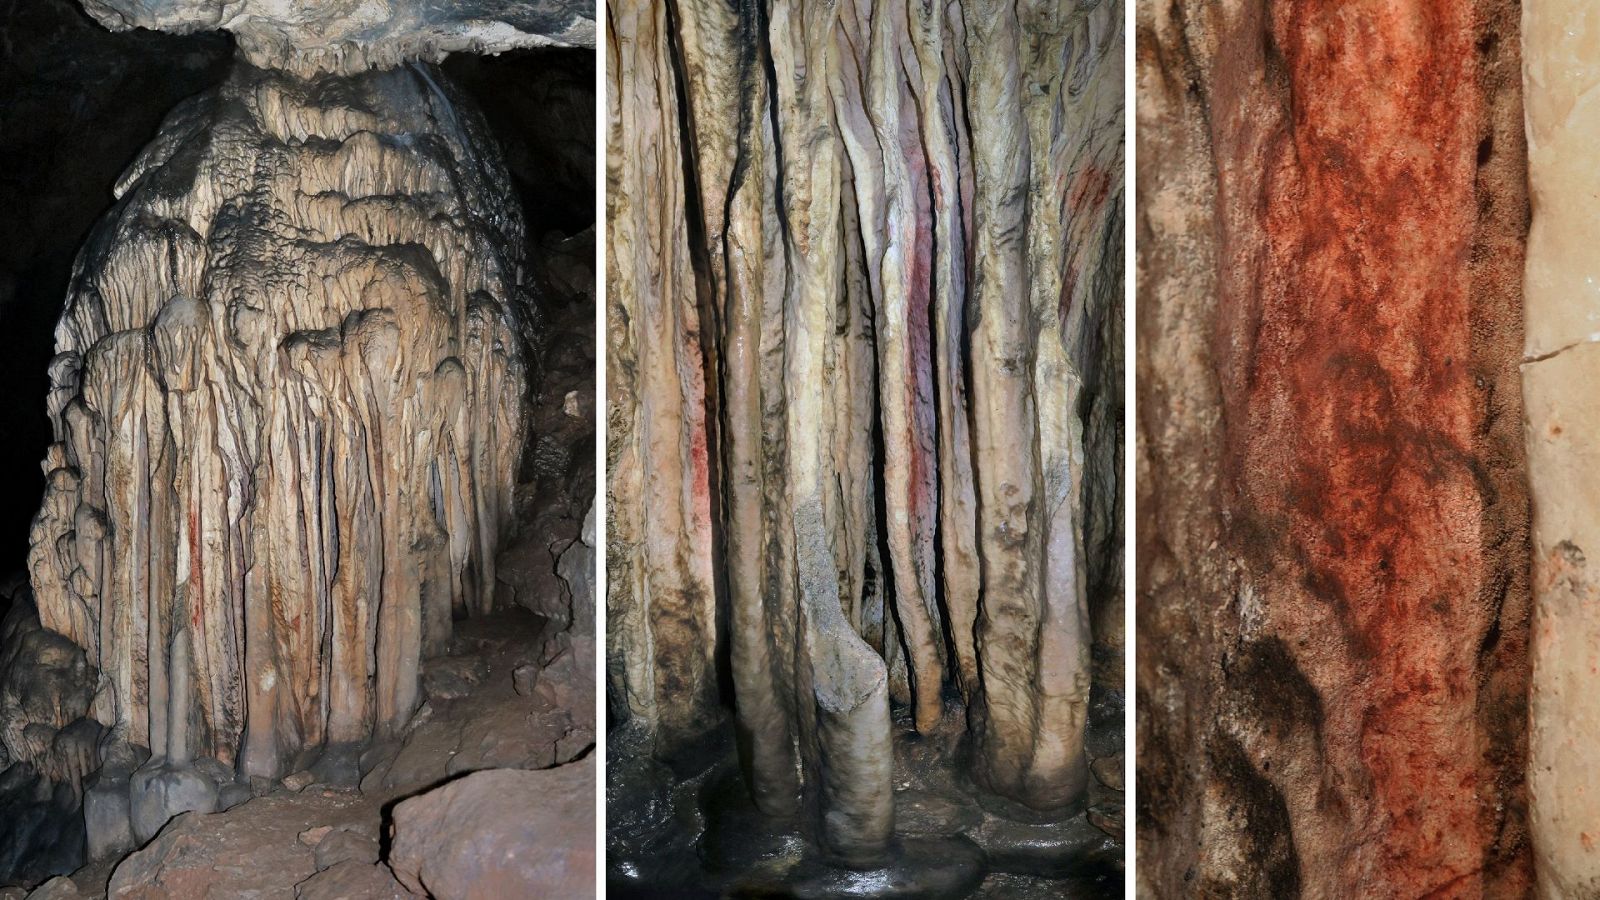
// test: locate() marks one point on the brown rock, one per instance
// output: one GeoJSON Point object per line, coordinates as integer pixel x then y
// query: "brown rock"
{"type": "Point", "coordinates": [524, 678]}
{"type": "Point", "coordinates": [346, 845]}
{"type": "Point", "coordinates": [59, 888]}
{"type": "Point", "coordinates": [451, 677]}
{"type": "Point", "coordinates": [500, 833]}
{"type": "Point", "coordinates": [1108, 770]}
{"type": "Point", "coordinates": [352, 880]}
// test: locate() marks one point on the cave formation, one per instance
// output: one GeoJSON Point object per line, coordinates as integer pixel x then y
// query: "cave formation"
{"type": "Point", "coordinates": [298, 410]}
{"type": "Point", "coordinates": [1561, 61]}
{"type": "Point", "coordinates": [1334, 593]}
{"type": "Point", "coordinates": [864, 456]}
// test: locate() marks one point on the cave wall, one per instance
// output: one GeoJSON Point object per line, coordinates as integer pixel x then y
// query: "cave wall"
{"type": "Point", "coordinates": [864, 404]}
{"type": "Point", "coordinates": [1559, 360]}
{"type": "Point", "coordinates": [1333, 591]}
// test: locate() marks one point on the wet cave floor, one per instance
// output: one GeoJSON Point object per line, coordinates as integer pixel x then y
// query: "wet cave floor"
{"type": "Point", "coordinates": [689, 829]}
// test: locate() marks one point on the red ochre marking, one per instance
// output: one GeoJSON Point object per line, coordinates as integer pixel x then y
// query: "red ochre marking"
{"type": "Point", "coordinates": [196, 578]}
{"type": "Point", "coordinates": [694, 423]}
{"type": "Point", "coordinates": [1351, 320]}
{"type": "Point", "coordinates": [1090, 188]}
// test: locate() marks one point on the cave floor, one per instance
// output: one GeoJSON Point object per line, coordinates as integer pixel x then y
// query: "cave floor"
{"type": "Point", "coordinates": [680, 829]}
{"type": "Point", "coordinates": [504, 697]}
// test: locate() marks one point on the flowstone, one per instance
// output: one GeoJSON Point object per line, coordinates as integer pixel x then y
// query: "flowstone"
{"type": "Point", "coordinates": [288, 408]}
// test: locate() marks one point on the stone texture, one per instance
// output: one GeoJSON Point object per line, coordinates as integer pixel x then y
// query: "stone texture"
{"type": "Point", "coordinates": [295, 449]}
{"type": "Point", "coordinates": [1333, 588]}
{"type": "Point", "coordinates": [345, 845]}
{"type": "Point", "coordinates": [288, 405]}
{"type": "Point", "coordinates": [324, 842]}
{"type": "Point", "coordinates": [346, 37]}
{"type": "Point", "coordinates": [576, 565]}
{"type": "Point", "coordinates": [1561, 43]}
{"type": "Point", "coordinates": [350, 880]}
{"type": "Point", "coordinates": [500, 833]}
{"type": "Point", "coordinates": [870, 263]}
{"type": "Point", "coordinates": [57, 888]}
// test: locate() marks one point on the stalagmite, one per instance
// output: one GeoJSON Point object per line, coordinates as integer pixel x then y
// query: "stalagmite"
{"type": "Point", "coordinates": [847, 445]}
{"type": "Point", "coordinates": [1561, 58]}
{"type": "Point", "coordinates": [287, 392]}
{"type": "Point", "coordinates": [1332, 591]}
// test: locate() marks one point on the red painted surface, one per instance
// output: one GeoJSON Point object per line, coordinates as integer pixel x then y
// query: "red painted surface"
{"type": "Point", "coordinates": [1347, 166]}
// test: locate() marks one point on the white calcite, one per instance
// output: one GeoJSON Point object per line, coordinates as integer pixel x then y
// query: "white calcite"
{"type": "Point", "coordinates": [287, 407]}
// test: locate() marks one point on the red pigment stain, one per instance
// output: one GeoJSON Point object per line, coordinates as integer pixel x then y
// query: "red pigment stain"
{"type": "Point", "coordinates": [694, 423]}
{"type": "Point", "coordinates": [1352, 411]}
{"type": "Point", "coordinates": [196, 579]}
{"type": "Point", "coordinates": [1090, 188]}
{"type": "Point", "coordinates": [919, 350]}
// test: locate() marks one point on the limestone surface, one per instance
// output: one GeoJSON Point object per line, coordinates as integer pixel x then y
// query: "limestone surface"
{"type": "Point", "coordinates": [349, 36]}
{"type": "Point", "coordinates": [1333, 590]}
{"type": "Point", "coordinates": [288, 402]}
{"type": "Point", "coordinates": [856, 403]}
{"type": "Point", "coordinates": [1562, 302]}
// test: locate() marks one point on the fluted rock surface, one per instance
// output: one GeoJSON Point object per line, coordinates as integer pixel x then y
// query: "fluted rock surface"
{"type": "Point", "coordinates": [1333, 591]}
{"type": "Point", "coordinates": [848, 401]}
{"type": "Point", "coordinates": [286, 399]}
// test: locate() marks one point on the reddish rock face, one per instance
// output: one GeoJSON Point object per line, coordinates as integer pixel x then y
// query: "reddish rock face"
{"type": "Point", "coordinates": [1342, 183]}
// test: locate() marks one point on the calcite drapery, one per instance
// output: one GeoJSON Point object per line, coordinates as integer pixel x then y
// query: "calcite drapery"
{"type": "Point", "coordinates": [1561, 46]}
{"type": "Point", "coordinates": [845, 399]}
{"type": "Point", "coordinates": [287, 393]}
{"type": "Point", "coordinates": [1332, 588]}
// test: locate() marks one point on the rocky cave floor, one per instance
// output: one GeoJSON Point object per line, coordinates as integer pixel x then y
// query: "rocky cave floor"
{"type": "Point", "coordinates": [688, 829]}
{"type": "Point", "coordinates": [512, 695]}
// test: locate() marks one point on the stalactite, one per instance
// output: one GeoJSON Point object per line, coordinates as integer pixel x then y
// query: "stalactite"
{"type": "Point", "coordinates": [866, 352]}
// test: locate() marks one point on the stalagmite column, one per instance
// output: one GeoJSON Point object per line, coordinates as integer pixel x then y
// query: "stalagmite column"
{"type": "Point", "coordinates": [1332, 580]}
{"type": "Point", "coordinates": [288, 385]}
{"type": "Point", "coordinates": [1561, 364]}
{"type": "Point", "coordinates": [864, 357]}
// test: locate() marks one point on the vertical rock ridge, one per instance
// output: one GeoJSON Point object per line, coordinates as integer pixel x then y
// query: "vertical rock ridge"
{"type": "Point", "coordinates": [1331, 501]}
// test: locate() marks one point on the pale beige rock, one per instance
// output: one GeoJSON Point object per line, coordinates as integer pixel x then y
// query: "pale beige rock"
{"type": "Point", "coordinates": [1561, 66]}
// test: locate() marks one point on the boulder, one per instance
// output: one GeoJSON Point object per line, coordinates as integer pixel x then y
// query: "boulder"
{"type": "Point", "coordinates": [500, 833]}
